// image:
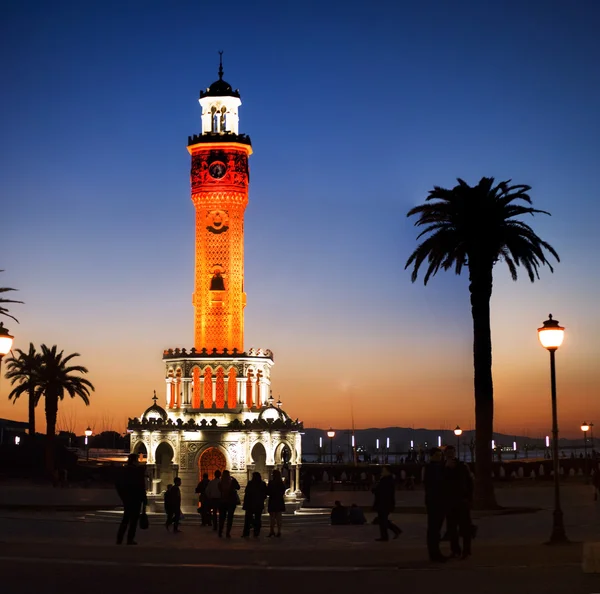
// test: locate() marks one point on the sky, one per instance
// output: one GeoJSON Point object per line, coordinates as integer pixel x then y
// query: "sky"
{"type": "Point", "coordinates": [355, 111]}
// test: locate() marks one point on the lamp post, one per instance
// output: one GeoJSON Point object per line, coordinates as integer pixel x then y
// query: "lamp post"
{"type": "Point", "coordinates": [458, 433]}
{"type": "Point", "coordinates": [6, 341]}
{"type": "Point", "coordinates": [88, 433]}
{"type": "Point", "coordinates": [551, 336]}
{"type": "Point", "coordinates": [331, 435]}
{"type": "Point", "coordinates": [585, 427]}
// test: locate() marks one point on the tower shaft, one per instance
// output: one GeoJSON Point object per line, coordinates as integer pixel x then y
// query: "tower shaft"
{"type": "Point", "coordinates": [219, 191]}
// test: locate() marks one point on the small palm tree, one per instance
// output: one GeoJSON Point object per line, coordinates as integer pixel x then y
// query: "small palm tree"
{"type": "Point", "coordinates": [4, 310]}
{"type": "Point", "coordinates": [54, 379]}
{"type": "Point", "coordinates": [473, 228]}
{"type": "Point", "coordinates": [23, 370]}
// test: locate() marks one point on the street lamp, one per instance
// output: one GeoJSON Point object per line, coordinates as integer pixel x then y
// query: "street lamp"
{"type": "Point", "coordinates": [331, 435]}
{"type": "Point", "coordinates": [585, 427]}
{"type": "Point", "coordinates": [88, 433]}
{"type": "Point", "coordinates": [551, 336]}
{"type": "Point", "coordinates": [458, 433]}
{"type": "Point", "coordinates": [6, 341]}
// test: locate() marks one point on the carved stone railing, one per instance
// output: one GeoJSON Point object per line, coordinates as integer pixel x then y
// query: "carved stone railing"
{"type": "Point", "coordinates": [213, 424]}
{"type": "Point", "coordinates": [213, 137]}
{"type": "Point", "coordinates": [206, 353]}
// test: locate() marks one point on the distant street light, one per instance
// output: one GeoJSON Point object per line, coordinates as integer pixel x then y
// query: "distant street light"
{"type": "Point", "coordinates": [6, 341]}
{"type": "Point", "coordinates": [551, 336]}
{"type": "Point", "coordinates": [585, 427]}
{"type": "Point", "coordinates": [458, 433]}
{"type": "Point", "coordinates": [88, 433]}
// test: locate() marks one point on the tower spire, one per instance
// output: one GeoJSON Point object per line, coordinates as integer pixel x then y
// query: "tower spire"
{"type": "Point", "coordinates": [221, 65]}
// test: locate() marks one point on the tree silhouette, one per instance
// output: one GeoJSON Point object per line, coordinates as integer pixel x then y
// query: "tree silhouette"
{"type": "Point", "coordinates": [4, 310]}
{"type": "Point", "coordinates": [23, 370]}
{"type": "Point", "coordinates": [475, 227]}
{"type": "Point", "coordinates": [55, 378]}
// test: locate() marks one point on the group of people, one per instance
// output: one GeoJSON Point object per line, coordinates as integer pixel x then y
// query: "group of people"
{"type": "Point", "coordinates": [219, 497]}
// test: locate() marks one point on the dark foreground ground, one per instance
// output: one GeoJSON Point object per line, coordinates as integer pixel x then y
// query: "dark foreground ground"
{"type": "Point", "coordinates": [52, 552]}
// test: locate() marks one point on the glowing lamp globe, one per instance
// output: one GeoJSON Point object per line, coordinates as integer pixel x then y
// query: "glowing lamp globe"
{"type": "Point", "coordinates": [551, 335]}
{"type": "Point", "coordinates": [331, 434]}
{"type": "Point", "coordinates": [88, 432]}
{"type": "Point", "coordinates": [458, 431]}
{"type": "Point", "coordinates": [6, 341]}
{"type": "Point", "coordinates": [585, 427]}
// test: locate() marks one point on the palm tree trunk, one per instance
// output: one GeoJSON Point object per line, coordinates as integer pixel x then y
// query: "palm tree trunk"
{"type": "Point", "coordinates": [481, 293]}
{"type": "Point", "coordinates": [51, 414]}
{"type": "Point", "coordinates": [31, 414]}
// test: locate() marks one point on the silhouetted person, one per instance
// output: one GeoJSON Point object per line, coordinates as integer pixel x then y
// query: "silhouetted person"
{"type": "Point", "coordinates": [306, 485]}
{"type": "Point", "coordinates": [131, 487]}
{"type": "Point", "coordinates": [213, 498]}
{"type": "Point", "coordinates": [356, 515]}
{"type": "Point", "coordinates": [254, 503]}
{"type": "Point", "coordinates": [204, 508]}
{"type": "Point", "coordinates": [276, 505]}
{"type": "Point", "coordinates": [458, 495]}
{"type": "Point", "coordinates": [173, 505]}
{"type": "Point", "coordinates": [434, 503]}
{"type": "Point", "coordinates": [384, 504]}
{"type": "Point", "coordinates": [228, 487]}
{"type": "Point", "coordinates": [339, 514]}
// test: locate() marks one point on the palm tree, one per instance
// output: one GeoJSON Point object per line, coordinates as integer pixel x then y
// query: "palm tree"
{"type": "Point", "coordinates": [3, 310]}
{"type": "Point", "coordinates": [54, 379]}
{"type": "Point", "coordinates": [23, 370]}
{"type": "Point", "coordinates": [475, 227]}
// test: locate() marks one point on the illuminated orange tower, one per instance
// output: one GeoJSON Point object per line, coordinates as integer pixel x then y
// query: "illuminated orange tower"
{"type": "Point", "coordinates": [219, 187]}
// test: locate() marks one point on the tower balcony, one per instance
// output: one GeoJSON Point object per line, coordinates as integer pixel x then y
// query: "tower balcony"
{"type": "Point", "coordinates": [194, 353]}
{"type": "Point", "coordinates": [214, 137]}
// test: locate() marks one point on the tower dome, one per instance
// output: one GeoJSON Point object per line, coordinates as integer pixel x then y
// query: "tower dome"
{"type": "Point", "coordinates": [155, 411]}
{"type": "Point", "coordinates": [220, 105]}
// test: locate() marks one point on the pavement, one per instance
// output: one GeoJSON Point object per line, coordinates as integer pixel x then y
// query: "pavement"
{"type": "Point", "coordinates": [45, 548]}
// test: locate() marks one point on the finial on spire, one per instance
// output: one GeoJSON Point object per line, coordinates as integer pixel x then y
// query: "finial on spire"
{"type": "Point", "coordinates": [221, 65]}
{"type": "Point", "coordinates": [155, 398]}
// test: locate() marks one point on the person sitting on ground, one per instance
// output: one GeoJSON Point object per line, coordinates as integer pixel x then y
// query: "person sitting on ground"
{"type": "Point", "coordinates": [339, 514]}
{"type": "Point", "coordinates": [356, 515]}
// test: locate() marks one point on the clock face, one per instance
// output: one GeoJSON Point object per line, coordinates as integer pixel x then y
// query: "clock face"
{"type": "Point", "coordinates": [217, 169]}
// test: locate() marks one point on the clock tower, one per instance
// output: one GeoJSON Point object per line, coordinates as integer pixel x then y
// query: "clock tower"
{"type": "Point", "coordinates": [219, 187]}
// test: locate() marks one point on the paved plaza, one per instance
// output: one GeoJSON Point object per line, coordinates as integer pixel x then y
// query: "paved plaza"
{"type": "Point", "coordinates": [43, 548]}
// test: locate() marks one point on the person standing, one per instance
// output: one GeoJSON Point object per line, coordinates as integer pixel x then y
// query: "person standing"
{"type": "Point", "coordinates": [458, 496]}
{"type": "Point", "coordinates": [384, 504]}
{"type": "Point", "coordinates": [131, 487]}
{"type": "Point", "coordinates": [204, 508]}
{"type": "Point", "coordinates": [254, 503]}
{"type": "Point", "coordinates": [434, 503]}
{"type": "Point", "coordinates": [276, 505]}
{"type": "Point", "coordinates": [173, 505]}
{"type": "Point", "coordinates": [213, 498]}
{"type": "Point", "coordinates": [228, 487]}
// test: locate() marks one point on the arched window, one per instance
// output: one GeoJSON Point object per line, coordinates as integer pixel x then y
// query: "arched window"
{"type": "Point", "coordinates": [220, 388]}
{"type": "Point", "coordinates": [232, 389]}
{"type": "Point", "coordinates": [217, 282]}
{"type": "Point", "coordinates": [223, 119]}
{"type": "Point", "coordinates": [196, 387]}
{"type": "Point", "coordinates": [214, 119]}
{"type": "Point", "coordinates": [208, 401]}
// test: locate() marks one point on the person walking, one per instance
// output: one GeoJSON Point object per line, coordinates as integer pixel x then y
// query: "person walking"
{"type": "Point", "coordinates": [384, 504]}
{"type": "Point", "coordinates": [173, 505]}
{"type": "Point", "coordinates": [254, 503]}
{"type": "Point", "coordinates": [131, 488]}
{"type": "Point", "coordinates": [276, 505]}
{"type": "Point", "coordinates": [434, 503]}
{"type": "Point", "coordinates": [458, 496]}
{"type": "Point", "coordinates": [204, 508]}
{"type": "Point", "coordinates": [213, 498]}
{"type": "Point", "coordinates": [228, 487]}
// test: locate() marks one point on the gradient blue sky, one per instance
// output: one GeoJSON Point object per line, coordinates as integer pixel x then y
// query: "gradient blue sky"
{"type": "Point", "coordinates": [355, 111]}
